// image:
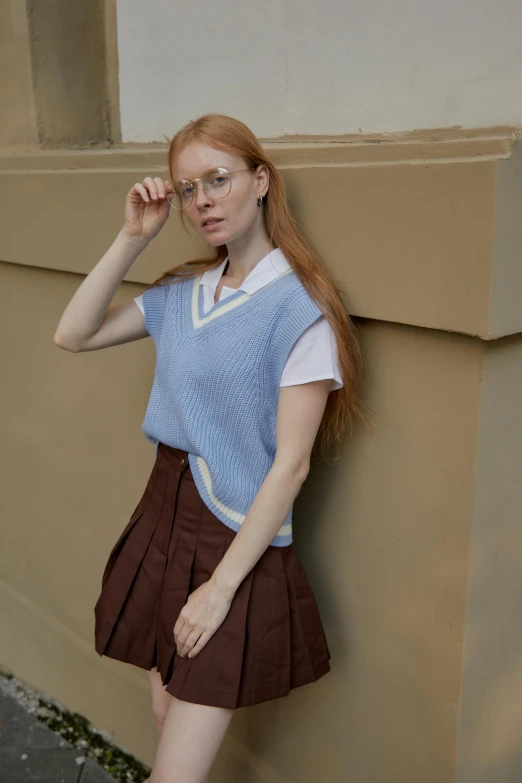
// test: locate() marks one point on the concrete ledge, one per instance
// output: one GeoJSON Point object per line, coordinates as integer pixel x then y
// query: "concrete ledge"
{"type": "Point", "coordinates": [422, 231]}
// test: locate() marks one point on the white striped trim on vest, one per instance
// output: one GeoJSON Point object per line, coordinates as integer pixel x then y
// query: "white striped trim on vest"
{"type": "Point", "coordinates": [198, 322]}
{"type": "Point", "coordinates": [235, 516]}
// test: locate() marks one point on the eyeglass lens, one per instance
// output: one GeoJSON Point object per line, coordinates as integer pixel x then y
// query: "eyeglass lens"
{"type": "Point", "coordinates": [217, 184]}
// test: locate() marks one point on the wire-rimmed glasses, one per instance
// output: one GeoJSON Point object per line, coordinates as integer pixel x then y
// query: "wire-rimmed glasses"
{"type": "Point", "coordinates": [217, 183]}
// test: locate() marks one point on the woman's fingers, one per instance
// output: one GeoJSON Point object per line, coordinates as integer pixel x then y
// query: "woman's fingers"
{"type": "Point", "coordinates": [149, 183]}
{"type": "Point", "coordinates": [139, 188]}
{"type": "Point", "coordinates": [169, 192]}
{"type": "Point", "coordinates": [160, 187]}
{"type": "Point", "coordinates": [153, 190]}
{"type": "Point", "coordinates": [156, 188]}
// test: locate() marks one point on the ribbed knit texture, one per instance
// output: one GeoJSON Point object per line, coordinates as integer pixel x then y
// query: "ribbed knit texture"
{"type": "Point", "coordinates": [216, 384]}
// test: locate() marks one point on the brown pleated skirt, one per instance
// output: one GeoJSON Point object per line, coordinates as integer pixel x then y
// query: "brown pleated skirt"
{"type": "Point", "coordinates": [272, 639]}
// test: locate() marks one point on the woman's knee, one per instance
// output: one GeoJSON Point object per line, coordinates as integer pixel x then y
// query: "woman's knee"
{"type": "Point", "coordinates": [159, 720]}
{"type": "Point", "coordinates": [160, 699]}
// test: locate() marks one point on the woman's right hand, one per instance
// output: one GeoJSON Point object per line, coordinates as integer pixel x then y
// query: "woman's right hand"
{"type": "Point", "coordinates": [147, 208]}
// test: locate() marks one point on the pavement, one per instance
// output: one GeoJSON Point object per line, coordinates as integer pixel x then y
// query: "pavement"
{"type": "Point", "coordinates": [30, 751]}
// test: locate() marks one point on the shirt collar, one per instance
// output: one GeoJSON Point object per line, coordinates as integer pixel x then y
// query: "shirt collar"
{"type": "Point", "coordinates": [266, 270]}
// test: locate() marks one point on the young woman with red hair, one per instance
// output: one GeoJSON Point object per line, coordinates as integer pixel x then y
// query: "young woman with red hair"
{"type": "Point", "coordinates": [256, 362]}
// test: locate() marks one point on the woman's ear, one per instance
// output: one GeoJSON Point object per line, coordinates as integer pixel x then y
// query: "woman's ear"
{"type": "Point", "coordinates": [263, 179]}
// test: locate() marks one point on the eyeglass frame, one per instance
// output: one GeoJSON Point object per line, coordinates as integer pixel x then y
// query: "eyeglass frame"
{"type": "Point", "coordinates": [200, 179]}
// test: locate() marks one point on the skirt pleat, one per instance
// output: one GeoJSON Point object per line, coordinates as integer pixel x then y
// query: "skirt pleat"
{"type": "Point", "coordinates": [272, 639]}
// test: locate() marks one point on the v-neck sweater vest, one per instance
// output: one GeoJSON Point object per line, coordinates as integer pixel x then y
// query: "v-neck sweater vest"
{"type": "Point", "coordinates": [216, 384]}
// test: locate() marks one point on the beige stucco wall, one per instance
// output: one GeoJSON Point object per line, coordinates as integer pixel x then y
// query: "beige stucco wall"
{"type": "Point", "coordinates": [16, 88]}
{"type": "Point", "coordinates": [289, 67]}
{"type": "Point", "coordinates": [490, 730]}
{"type": "Point", "coordinates": [59, 74]}
{"type": "Point", "coordinates": [385, 533]}
{"type": "Point", "coordinates": [410, 539]}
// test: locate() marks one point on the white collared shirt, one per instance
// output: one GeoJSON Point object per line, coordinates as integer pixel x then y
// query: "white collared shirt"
{"type": "Point", "coordinates": [314, 354]}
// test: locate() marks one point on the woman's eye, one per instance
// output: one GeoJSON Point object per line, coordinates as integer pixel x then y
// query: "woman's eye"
{"type": "Point", "coordinates": [218, 180]}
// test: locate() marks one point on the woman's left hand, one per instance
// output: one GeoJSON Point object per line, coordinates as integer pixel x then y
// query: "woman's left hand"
{"type": "Point", "coordinates": [205, 610]}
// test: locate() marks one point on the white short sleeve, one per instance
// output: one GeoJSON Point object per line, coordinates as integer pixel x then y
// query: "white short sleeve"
{"type": "Point", "coordinates": [139, 302]}
{"type": "Point", "coordinates": [313, 357]}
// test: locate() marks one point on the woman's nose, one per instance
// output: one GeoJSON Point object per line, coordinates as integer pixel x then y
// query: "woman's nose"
{"type": "Point", "coordinates": [201, 198]}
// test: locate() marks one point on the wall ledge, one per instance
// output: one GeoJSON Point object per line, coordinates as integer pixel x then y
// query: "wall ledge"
{"type": "Point", "coordinates": [420, 228]}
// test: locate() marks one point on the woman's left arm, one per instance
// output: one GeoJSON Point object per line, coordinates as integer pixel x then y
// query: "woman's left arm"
{"type": "Point", "coordinates": [299, 413]}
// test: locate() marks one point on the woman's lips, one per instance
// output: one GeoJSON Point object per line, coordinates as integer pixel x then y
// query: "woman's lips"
{"type": "Point", "coordinates": [210, 226]}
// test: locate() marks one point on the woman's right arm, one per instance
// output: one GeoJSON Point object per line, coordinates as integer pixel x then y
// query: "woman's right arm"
{"type": "Point", "coordinates": [87, 324]}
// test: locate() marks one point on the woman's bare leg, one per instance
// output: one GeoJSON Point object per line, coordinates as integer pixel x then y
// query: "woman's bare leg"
{"type": "Point", "coordinates": [160, 698]}
{"type": "Point", "coordinates": [192, 744]}
{"type": "Point", "coordinates": [160, 701]}
{"type": "Point", "coordinates": [189, 742]}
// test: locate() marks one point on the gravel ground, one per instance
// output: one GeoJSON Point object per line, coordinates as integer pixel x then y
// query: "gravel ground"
{"type": "Point", "coordinates": [41, 740]}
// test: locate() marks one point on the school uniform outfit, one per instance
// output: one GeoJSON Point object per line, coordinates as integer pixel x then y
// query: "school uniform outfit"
{"type": "Point", "coordinates": [211, 415]}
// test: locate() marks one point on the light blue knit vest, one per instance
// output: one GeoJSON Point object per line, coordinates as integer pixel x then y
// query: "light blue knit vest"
{"type": "Point", "coordinates": [216, 384]}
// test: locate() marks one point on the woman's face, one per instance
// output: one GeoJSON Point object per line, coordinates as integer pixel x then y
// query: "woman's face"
{"type": "Point", "coordinates": [238, 211]}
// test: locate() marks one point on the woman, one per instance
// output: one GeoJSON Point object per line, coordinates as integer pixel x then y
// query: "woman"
{"type": "Point", "coordinates": [255, 355]}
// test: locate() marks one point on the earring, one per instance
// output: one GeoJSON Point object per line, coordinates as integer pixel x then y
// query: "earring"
{"type": "Point", "coordinates": [260, 201]}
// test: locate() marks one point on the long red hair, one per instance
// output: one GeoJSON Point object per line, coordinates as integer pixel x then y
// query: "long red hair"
{"type": "Point", "coordinates": [345, 405]}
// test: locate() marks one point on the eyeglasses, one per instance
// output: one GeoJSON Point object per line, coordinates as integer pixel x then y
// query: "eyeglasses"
{"type": "Point", "coordinates": [216, 183]}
